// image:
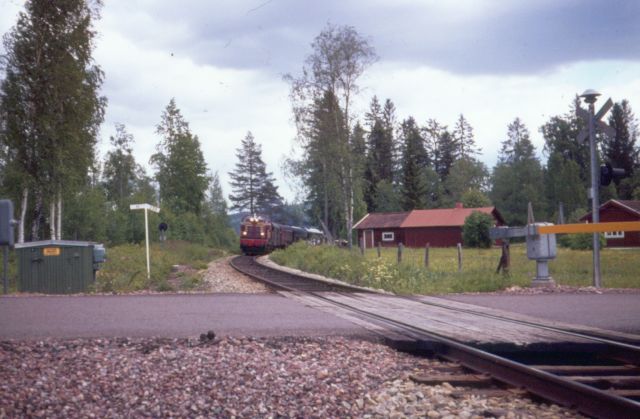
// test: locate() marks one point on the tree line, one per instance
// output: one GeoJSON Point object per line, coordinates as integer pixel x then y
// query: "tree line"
{"type": "Point", "coordinates": [50, 113]}
{"type": "Point", "coordinates": [352, 165]}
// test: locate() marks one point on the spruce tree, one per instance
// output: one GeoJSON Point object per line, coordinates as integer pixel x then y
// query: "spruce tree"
{"type": "Point", "coordinates": [381, 152]}
{"type": "Point", "coordinates": [464, 139]}
{"type": "Point", "coordinates": [253, 188]}
{"type": "Point", "coordinates": [442, 148]}
{"type": "Point", "coordinates": [414, 160]}
{"type": "Point", "coordinates": [621, 150]}
{"type": "Point", "coordinates": [181, 171]}
{"type": "Point", "coordinates": [390, 150]}
{"type": "Point", "coordinates": [358, 153]}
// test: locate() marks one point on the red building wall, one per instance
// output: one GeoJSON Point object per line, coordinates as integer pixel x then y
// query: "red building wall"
{"type": "Point", "coordinates": [377, 237]}
{"type": "Point", "coordinates": [612, 214]}
{"type": "Point", "coordinates": [435, 236]}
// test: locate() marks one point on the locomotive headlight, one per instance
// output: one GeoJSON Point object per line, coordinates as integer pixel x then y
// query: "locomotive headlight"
{"type": "Point", "coordinates": [244, 233]}
{"type": "Point", "coordinates": [262, 234]}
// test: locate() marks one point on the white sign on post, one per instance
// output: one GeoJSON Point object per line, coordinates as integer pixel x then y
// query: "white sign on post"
{"type": "Point", "coordinates": [146, 207]}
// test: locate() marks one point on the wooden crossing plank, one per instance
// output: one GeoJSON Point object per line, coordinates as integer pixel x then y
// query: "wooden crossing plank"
{"type": "Point", "coordinates": [456, 325]}
{"type": "Point", "coordinates": [611, 334]}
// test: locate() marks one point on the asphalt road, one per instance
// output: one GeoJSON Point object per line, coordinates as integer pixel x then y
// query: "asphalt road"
{"type": "Point", "coordinates": [257, 315]}
{"type": "Point", "coordinates": [264, 314]}
{"type": "Point", "coordinates": [620, 312]}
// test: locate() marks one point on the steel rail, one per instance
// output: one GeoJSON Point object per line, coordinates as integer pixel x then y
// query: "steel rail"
{"type": "Point", "coordinates": [323, 285]}
{"type": "Point", "coordinates": [586, 399]}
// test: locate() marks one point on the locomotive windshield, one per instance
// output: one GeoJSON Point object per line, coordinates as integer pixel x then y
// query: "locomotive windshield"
{"type": "Point", "coordinates": [253, 231]}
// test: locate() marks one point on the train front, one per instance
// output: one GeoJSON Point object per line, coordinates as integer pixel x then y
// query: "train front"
{"type": "Point", "coordinates": [254, 235]}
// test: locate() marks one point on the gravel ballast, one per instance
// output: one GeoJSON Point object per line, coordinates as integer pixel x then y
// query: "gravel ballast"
{"type": "Point", "coordinates": [233, 377]}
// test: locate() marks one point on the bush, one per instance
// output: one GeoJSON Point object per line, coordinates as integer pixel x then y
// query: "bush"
{"type": "Point", "coordinates": [580, 241]}
{"type": "Point", "coordinates": [475, 232]}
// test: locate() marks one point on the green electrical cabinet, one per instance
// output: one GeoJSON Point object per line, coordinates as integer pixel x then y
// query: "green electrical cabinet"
{"type": "Point", "coordinates": [57, 266]}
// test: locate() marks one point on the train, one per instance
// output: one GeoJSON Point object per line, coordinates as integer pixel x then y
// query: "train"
{"type": "Point", "coordinates": [259, 235]}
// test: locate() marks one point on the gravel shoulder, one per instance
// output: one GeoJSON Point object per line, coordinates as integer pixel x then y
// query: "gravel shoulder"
{"type": "Point", "coordinates": [234, 377]}
{"type": "Point", "coordinates": [221, 277]}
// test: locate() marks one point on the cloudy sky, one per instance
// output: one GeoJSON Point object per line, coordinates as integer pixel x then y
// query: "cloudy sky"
{"type": "Point", "coordinates": [223, 61]}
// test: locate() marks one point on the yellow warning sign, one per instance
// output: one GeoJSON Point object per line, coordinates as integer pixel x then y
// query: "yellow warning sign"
{"type": "Point", "coordinates": [51, 251]}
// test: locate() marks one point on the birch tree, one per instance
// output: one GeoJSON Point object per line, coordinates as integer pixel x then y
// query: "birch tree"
{"type": "Point", "coordinates": [50, 103]}
{"type": "Point", "coordinates": [339, 58]}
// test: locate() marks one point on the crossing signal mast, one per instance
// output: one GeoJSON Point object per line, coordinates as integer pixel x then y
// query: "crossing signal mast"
{"type": "Point", "coordinates": [593, 120]}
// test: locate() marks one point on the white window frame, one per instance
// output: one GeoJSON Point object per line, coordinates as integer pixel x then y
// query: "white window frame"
{"type": "Point", "coordinates": [614, 235]}
{"type": "Point", "coordinates": [388, 236]}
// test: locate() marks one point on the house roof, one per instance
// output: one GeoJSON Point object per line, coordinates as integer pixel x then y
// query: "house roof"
{"type": "Point", "coordinates": [445, 217]}
{"type": "Point", "coordinates": [381, 220]}
{"type": "Point", "coordinates": [634, 206]}
{"type": "Point", "coordinates": [630, 206]}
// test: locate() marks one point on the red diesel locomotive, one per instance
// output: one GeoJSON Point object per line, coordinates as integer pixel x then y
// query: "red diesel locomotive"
{"type": "Point", "coordinates": [259, 235]}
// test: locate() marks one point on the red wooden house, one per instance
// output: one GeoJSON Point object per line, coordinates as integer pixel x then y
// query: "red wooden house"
{"type": "Point", "coordinates": [619, 210]}
{"type": "Point", "coordinates": [381, 227]}
{"type": "Point", "coordinates": [438, 227]}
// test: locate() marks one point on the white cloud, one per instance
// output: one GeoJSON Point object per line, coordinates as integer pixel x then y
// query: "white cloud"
{"type": "Point", "coordinates": [490, 103]}
{"type": "Point", "coordinates": [220, 104]}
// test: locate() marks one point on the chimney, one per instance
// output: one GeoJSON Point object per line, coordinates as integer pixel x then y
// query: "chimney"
{"type": "Point", "coordinates": [459, 205]}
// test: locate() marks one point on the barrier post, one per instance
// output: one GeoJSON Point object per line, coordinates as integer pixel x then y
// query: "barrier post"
{"type": "Point", "coordinates": [426, 256]}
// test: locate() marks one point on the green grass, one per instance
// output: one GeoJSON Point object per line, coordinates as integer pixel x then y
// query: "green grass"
{"type": "Point", "coordinates": [620, 268]}
{"type": "Point", "coordinates": [126, 266]}
{"type": "Point", "coordinates": [12, 272]}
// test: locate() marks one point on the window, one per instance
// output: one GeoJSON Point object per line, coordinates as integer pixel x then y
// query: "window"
{"type": "Point", "coordinates": [388, 236]}
{"type": "Point", "coordinates": [614, 235]}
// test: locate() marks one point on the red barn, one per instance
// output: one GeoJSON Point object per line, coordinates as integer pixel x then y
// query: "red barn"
{"type": "Point", "coordinates": [619, 210]}
{"type": "Point", "coordinates": [438, 227]}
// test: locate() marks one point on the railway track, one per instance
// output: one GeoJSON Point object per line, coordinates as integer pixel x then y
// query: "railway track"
{"type": "Point", "coordinates": [602, 380]}
{"type": "Point", "coordinates": [285, 281]}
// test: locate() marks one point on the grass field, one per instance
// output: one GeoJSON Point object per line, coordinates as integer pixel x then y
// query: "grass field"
{"type": "Point", "coordinates": [620, 268]}
{"type": "Point", "coordinates": [126, 267]}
